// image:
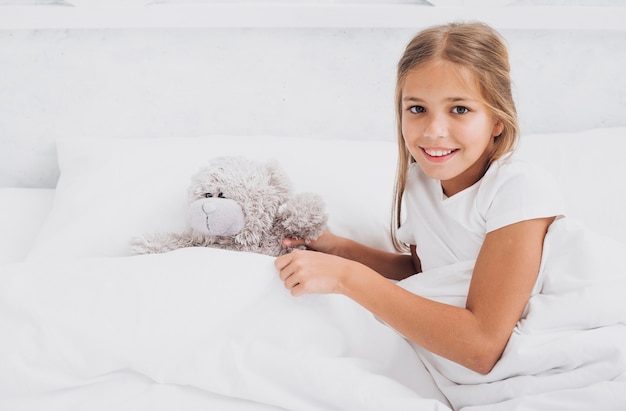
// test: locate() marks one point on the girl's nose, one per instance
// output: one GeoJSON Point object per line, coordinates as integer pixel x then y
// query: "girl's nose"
{"type": "Point", "coordinates": [436, 126]}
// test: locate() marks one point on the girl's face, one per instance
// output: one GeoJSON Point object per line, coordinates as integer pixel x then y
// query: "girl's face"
{"type": "Point", "coordinates": [446, 127]}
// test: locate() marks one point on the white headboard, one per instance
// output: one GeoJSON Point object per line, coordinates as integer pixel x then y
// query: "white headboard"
{"type": "Point", "coordinates": [323, 70]}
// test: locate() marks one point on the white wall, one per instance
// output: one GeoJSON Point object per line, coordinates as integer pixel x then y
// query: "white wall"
{"type": "Point", "coordinates": [325, 82]}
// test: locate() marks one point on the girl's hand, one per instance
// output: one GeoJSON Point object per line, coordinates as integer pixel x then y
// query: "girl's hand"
{"type": "Point", "coordinates": [326, 243]}
{"type": "Point", "coordinates": [391, 265]}
{"type": "Point", "coordinates": [311, 272]}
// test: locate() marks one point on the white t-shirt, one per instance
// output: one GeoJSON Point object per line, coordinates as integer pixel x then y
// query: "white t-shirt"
{"type": "Point", "coordinates": [448, 230]}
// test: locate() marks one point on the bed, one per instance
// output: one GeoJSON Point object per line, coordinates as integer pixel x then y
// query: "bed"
{"type": "Point", "coordinates": [86, 325]}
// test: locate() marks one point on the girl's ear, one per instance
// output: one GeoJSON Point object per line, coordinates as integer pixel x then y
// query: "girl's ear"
{"type": "Point", "coordinates": [498, 128]}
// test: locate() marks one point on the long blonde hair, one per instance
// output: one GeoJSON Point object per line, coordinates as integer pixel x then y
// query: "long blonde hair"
{"type": "Point", "coordinates": [478, 48]}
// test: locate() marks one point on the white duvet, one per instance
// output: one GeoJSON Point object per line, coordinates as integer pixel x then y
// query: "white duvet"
{"type": "Point", "coordinates": [213, 329]}
{"type": "Point", "coordinates": [120, 333]}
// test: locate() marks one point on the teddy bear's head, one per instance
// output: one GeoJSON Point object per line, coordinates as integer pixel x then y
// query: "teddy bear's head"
{"type": "Point", "coordinates": [237, 198]}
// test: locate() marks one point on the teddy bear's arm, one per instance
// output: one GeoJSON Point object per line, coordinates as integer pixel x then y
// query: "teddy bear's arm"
{"type": "Point", "coordinates": [304, 216]}
{"type": "Point", "coordinates": [162, 242]}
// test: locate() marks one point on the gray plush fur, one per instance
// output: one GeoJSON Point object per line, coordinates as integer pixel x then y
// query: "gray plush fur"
{"type": "Point", "coordinates": [238, 204]}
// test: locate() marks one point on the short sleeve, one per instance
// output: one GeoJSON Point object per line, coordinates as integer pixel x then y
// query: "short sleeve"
{"type": "Point", "coordinates": [519, 191]}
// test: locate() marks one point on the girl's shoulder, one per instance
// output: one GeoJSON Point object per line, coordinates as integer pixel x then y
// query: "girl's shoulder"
{"type": "Point", "coordinates": [515, 189]}
{"type": "Point", "coordinates": [513, 170]}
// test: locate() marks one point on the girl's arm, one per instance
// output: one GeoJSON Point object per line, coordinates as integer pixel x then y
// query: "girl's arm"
{"type": "Point", "coordinates": [394, 266]}
{"type": "Point", "coordinates": [475, 336]}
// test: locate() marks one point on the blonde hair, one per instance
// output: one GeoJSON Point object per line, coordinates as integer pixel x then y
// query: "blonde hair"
{"type": "Point", "coordinates": [477, 48]}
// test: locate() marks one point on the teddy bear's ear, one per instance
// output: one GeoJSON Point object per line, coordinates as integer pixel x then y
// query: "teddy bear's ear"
{"type": "Point", "coordinates": [278, 178]}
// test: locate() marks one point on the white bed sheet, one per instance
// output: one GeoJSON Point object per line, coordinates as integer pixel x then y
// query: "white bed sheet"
{"type": "Point", "coordinates": [128, 332]}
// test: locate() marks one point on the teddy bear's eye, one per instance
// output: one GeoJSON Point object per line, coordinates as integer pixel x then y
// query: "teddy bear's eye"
{"type": "Point", "coordinates": [211, 195]}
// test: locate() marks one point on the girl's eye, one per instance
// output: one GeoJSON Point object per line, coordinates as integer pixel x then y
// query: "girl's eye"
{"type": "Point", "coordinates": [417, 109]}
{"type": "Point", "coordinates": [460, 110]}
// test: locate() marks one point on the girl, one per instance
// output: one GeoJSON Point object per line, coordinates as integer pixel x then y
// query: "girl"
{"type": "Point", "coordinates": [464, 197]}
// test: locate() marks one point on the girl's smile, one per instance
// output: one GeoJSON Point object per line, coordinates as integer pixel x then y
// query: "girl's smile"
{"type": "Point", "coordinates": [438, 154]}
{"type": "Point", "coordinates": [447, 127]}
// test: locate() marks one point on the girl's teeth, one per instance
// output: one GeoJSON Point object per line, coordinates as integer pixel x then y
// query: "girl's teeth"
{"type": "Point", "coordinates": [438, 153]}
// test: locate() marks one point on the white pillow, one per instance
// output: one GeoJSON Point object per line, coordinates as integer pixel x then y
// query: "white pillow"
{"type": "Point", "coordinates": [112, 189]}
{"type": "Point", "coordinates": [24, 211]}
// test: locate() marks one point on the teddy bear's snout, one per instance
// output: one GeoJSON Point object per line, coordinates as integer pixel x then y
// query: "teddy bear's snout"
{"type": "Point", "coordinates": [216, 216]}
{"type": "Point", "coordinates": [208, 208]}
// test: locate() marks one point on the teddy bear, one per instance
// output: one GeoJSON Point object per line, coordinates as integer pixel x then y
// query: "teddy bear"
{"type": "Point", "coordinates": [239, 204]}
